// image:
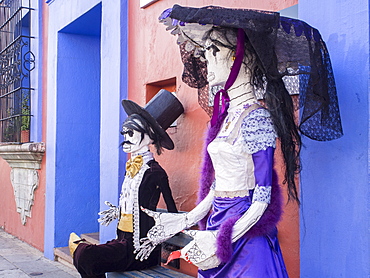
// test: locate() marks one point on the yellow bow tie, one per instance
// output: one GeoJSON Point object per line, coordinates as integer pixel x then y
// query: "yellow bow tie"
{"type": "Point", "coordinates": [133, 165]}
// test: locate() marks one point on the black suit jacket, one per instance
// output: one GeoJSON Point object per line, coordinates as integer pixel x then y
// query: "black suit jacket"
{"type": "Point", "coordinates": [154, 182]}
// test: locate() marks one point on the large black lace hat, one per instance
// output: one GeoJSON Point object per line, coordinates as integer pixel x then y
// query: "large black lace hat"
{"type": "Point", "coordinates": [160, 112]}
{"type": "Point", "coordinates": [289, 50]}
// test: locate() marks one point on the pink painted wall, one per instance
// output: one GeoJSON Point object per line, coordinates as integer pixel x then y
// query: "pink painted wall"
{"type": "Point", "coordinates": [33, 231]}
{"type": "Point", "coordinates": [154, 56]}
{"type": "Point", "coordinates": [10, 221]}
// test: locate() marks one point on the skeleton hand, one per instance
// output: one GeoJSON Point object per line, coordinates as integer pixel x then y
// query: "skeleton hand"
{"type": "Point", "coordinates": [145, 249]}
{"type": "Point", "coordinates": [166, 226]}
{"type": "Point", "coordinates": [107, 216]}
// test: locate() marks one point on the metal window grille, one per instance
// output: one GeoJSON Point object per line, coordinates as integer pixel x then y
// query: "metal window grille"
{"type": "Point", "coordinates": [16, 63]}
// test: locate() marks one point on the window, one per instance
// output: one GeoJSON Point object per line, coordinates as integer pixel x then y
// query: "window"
{"type": "Point", "coordinates": [16, 63]}
{"type": "Point", "coordinates": [153, 88]}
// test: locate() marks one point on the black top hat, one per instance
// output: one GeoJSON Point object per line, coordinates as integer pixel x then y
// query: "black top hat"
{"type": "Point", "coordinates": [161, 111]}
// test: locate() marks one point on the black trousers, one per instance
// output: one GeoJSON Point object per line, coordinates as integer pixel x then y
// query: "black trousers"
{"type": "Point", "coordinates": [93, 261]}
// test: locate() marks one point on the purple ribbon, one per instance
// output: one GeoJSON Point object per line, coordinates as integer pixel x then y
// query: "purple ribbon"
{"type": "Point", "coordinates": [239, 55]}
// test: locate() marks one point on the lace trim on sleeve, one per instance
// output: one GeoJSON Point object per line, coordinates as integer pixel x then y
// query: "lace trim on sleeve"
{"type": "Point", "coordinates": [262, 194]}
{"type": "Point", "coordinates": [258, 131]}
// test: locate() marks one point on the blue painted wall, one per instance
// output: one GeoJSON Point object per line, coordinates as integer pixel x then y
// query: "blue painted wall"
{"type": "Point", "coordinates": [335, 177]}
{"type": "Point", "coordinates": [87, 79]}
{"type": "Point", "coordinates": [78, 129]}
{"type": "Point", "coordinates": [124, 86]}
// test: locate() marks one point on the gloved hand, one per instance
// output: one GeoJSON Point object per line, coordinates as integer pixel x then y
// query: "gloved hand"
{"type": "Point", "coordinates": [107, 216]}
{"type": "Point", "coordinates": [169, 224]}
{"type": "Point", "coordinates": [166, 226]}
{"type": "Point", "coordinates": [145, 249]}
{"type": "Point", "coordinates": [201, 251]}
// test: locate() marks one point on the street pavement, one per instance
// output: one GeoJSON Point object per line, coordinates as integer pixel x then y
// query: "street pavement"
{"type": "Point", "coordinates": [20, 260]}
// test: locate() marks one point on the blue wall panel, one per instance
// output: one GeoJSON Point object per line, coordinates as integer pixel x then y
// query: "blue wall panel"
{"type": "Point", "coordinates": [78, 129]}
{"type": "Point", "coordinates": [124, 84]}
{"type": "Point", "coordinates": [335, 176]}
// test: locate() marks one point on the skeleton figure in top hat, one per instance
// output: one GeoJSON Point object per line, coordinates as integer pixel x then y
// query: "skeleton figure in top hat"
{"type": "Point", "coordinates": [145, 180]}
{"type": "Point", "coordinates": [253, 56]}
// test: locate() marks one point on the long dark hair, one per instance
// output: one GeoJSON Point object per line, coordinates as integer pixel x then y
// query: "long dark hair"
{"type": "Point", "coordinates": [276, 99]}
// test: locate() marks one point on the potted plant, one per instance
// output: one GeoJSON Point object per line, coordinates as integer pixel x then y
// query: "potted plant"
{"type": "Point", "coordinates": [25, 119]}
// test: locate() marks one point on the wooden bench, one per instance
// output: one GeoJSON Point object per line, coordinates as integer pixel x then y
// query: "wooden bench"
{"type": "Point", "coordinates": [157, 271]}
{"type": "Point", "coordinates": [174, 243]}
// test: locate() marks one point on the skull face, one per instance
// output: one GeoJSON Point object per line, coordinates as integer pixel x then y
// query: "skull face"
{"type": "Point", "coordinates": [135, 141]}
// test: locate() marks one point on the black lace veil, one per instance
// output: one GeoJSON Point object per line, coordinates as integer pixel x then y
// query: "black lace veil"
{"type": "Point", "coordinates": [290, 51]}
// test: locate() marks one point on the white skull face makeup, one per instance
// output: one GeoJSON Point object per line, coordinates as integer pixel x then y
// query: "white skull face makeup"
{"type": "Point", "coordinates": [133, 142]}
{"type": "Point", "coordinates": [219, 62]}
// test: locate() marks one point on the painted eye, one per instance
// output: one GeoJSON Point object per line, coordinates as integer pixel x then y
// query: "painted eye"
{"type": "Point", "coordinates": [130, 132]}
{"type": "Point", "coordinates": [127, 131]}
{"type": "Point", "coordinates": [213, 48]}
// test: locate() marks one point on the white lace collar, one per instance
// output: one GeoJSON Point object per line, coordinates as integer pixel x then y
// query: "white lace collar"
{"type": "Point", "coordinates": [147, 156]}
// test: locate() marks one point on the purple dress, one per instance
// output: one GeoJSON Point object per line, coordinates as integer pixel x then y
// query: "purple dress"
{"type": "Point", "coordinates": [257, 257]}
{"type": "Point", "coordinates": [243, 162]}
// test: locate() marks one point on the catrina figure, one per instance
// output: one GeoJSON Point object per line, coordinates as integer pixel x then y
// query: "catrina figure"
{"type": "Point", "coordinates": [255, 61]}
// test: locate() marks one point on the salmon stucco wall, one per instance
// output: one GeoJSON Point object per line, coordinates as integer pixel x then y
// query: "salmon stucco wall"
{"type": "Point", "coordinates": [33, 231]}
{"type": "Point", "coordinates": [154, 58]}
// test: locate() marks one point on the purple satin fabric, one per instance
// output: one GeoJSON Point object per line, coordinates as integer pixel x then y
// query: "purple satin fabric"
{"type": "Point", "coordinates": [256, 257]}
{"type": "Point", "coordinates": [263, 165]}
{"type": "Point", "coordinates": [225, 208]}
